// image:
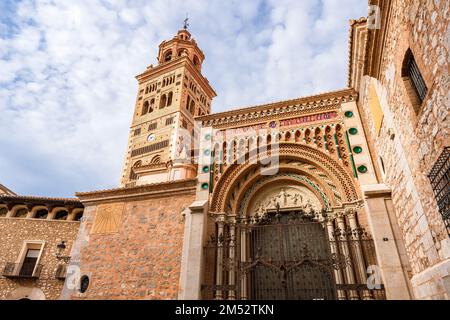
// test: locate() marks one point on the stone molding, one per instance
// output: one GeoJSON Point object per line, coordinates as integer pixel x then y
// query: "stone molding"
{"type": "Point", "coordinates": [278, 110]}
{"type": "Point", "coordinates": [156, 189]}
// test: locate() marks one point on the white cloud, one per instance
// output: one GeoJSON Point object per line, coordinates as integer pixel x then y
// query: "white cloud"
{"type": "Point", "coordinates": [67, 86]}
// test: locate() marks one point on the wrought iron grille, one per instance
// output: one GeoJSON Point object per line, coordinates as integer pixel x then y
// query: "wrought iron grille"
{"type": "Point", "coordinates": [440, 182]}
{"type": "Point", "coordinates": [288, 257]}
{"type": "Point", "coordinates": [416, 77]}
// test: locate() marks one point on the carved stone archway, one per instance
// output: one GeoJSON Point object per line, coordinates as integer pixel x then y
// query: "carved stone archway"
{"type": "Point", "coordinates": [324, 170]}
{"type": "Point", "coordinates": [334, 203]}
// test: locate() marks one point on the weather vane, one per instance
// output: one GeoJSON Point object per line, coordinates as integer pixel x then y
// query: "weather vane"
{"type": "Point", "coordinates": [186, 24]}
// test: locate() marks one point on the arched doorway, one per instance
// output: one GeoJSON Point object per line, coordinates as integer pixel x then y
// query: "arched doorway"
{"type": "Point", "coordinates": [27, 293]}
{"type": "Point", "coordinates": [291, 235]}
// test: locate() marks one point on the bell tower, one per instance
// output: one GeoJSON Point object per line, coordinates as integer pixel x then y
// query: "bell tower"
{"type": "Point", "coordinates": [170, 95]}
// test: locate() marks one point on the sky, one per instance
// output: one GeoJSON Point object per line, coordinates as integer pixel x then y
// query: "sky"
{"type": "Point", "coordinates": [67, 73]}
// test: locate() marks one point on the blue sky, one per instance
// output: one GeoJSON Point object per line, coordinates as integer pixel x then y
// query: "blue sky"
{"type": "Point", "coordinates": [67, 86]}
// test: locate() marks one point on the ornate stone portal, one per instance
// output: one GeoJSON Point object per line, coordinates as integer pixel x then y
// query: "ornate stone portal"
{"type": "Point", "coordinates": [285, 198]}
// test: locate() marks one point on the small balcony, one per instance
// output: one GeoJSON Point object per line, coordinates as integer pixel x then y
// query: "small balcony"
{"type": "Point", "coordinates": [22, 270]}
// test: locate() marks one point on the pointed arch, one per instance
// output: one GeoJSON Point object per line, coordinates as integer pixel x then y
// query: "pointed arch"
{"type": "Point", "coordinates": [145, 108]}
{"type": "Point", "coordinates": [163, 101]}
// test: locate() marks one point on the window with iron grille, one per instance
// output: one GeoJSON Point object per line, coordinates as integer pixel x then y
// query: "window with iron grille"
{"type": "Point", "coordinates": [152, 126]}
{"type": "Point", "coordinates": [440, 182]}
{"type": "Point", "coordinates": [411, 72]}
{"type": "Point", "coordinates": [169, 121]}
{"type": "Point", "coordinates": [150, 148]}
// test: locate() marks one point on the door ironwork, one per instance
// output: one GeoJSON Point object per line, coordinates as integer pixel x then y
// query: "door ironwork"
{"type": "Point", "coordinates": [289, 256]}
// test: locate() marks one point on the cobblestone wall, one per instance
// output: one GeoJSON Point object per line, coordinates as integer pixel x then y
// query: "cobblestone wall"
{"type": "Point", "coordinates": [410, 143]}
{"type": "Point", "coordinates": [13, 233]}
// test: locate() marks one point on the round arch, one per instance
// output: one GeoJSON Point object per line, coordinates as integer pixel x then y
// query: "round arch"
{"type": "Point", "coordinates": [288, 180]}
{"type": "Point", "coordinates": [27, 293]}
{"type": "Point", "coordinates": [334, 179]}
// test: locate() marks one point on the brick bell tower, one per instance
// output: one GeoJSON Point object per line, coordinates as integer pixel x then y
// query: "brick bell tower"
{"type": "Point", "coordinates": [170, 95]}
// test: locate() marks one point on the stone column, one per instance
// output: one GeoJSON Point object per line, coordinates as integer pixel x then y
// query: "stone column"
{"type": "Point", "coordinates": [359, 263]}
{"type": "Point", "coordinates": [233, 262]}
{"type": "Point", "coordinates": [243, 260]}
{"type": "Point", "coordinates": [335, 250]}
{"type": "Point", "coordinates": [192, 257]}
{"type": "Point", "coordinates": [352, 294]}
{"type": "Point", "coordinates": [386, 242]}
{"type": "Point", "coordinates": [219, 262]}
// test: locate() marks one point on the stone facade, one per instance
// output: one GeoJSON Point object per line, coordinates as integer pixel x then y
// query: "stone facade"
{"type": "Point", "coordinates": [49, 233]}
{"type": "Point", "coordinates": [130, 242]}
{"type": "Point", "coordinates": [411, 135]}
{"type": "Point", "coordinates": [352, 162]}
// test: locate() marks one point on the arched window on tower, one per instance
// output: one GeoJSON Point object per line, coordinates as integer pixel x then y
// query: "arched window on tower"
{"type": "Point", "coordinates": [145, 108]}
{"type": "Point", "coordinates": [192, 107]}
{"type": "Point", "coordinates": [168, 56]}
{"type": "Point", "coordinates": [133, 175]}
{"type": "Point", "coordinates": [188, 102]}
{"type": "Point", "coordinates": [180, 51]}
{"type": "Point", "coordinates": [169, 98]}
{"type": "Point", "coordinates": [152, 106]}
{"type": "Point", "coordinates": [196, 61]}
{"type": "Point", "coordinates": [163, 101]}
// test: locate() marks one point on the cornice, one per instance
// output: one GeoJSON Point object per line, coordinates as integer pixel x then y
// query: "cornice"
{"type": "Point", "coordinates": [39, 200]}
{"type": "Point", "coordinates": [377, 38]}
{"type": "Point", "coordinates": [6, 190]}
{"type": "Point", "coordinates": [182, 61]}
{"type": "Point", "coordinates": [155, 189]}
{"type": "Point", "coordinates": [306, 105]}
{"type": "Point", "coordinates": [354, 24]}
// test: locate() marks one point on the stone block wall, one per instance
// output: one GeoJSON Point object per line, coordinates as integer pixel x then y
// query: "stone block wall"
{"type": "Point", "coordinates": [409, 143]}
{"type": "Point", "coordinates": [13, 233]}
{"type": "Point", "coordinates": [139, 257]}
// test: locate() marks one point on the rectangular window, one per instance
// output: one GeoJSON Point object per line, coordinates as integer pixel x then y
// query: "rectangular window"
{"type": "Point", "coordinates": [416, 78]}
{"type": "Point", "coordinates": [137, 131]}
{"type": "Point", "coordinates": [150, 148]}
{"type": "Point", "coordinates": [169, 121]}
{"type": "Point", "coordinates": [29, 263]}
{"type": "Point", "coordinates": [152, 126]}
{"type": "Point", "coordinates": [440, 182]}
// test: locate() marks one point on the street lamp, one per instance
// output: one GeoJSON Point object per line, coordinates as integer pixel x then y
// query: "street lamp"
{"type": "Point", "coordinates": [60, 247]}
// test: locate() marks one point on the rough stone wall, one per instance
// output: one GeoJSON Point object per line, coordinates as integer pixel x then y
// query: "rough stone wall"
{"type": "Point", "coordinates": [13, 233]}
{"type": "Point", "coordinates": [409, 144]}
{"type": "Point", "coordinates": [143, 259]}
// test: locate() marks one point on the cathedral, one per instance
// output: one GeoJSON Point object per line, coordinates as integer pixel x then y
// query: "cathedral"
{"type": "Point", "coordinates": [343, 195]}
